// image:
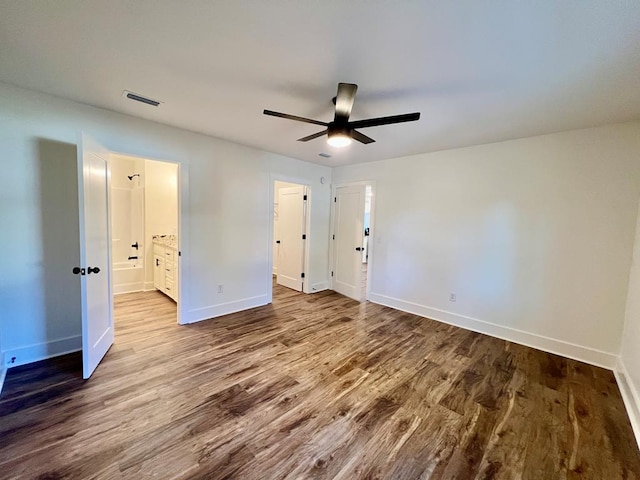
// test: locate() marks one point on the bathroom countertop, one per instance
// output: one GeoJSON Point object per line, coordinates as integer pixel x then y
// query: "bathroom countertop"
{"type": "Point", "coordinates": [166, 240]}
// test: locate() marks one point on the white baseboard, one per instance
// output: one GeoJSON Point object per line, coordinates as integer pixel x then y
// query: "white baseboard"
{"type": "Point", "coordinates": [128, 288]}
{"type": "Point", "coordinates": [42, 351]}
{"type": "Point", "coordinates": [320, 286]}
{"type": "Point", "coordinates": [3, 371]}
{"type": "Point", "coordinates": [148, 286]}
{"type": "Point", "coordinates": [559, 347]}
{"type": "Point", "coordinates": [205, 313]}
{"type": "Point", "coordinates": [630, 396]}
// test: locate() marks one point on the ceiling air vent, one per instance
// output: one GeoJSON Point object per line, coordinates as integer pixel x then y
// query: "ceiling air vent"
{"type": "Point", "coordinates": [325, 155]}
{"type": "Point", "coordinates": [140, 98]}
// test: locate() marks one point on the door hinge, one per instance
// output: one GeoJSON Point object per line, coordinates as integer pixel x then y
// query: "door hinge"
{"type": "Point", "coordinates": [334, 237]}
{"type": "Point", "coordinates": [335, 199]}
{"type": "Point", "coordinates": [302, 275]}
{"type": "Point", "coordinates": [179, 254]}
{"type": "Point", "coordinates": [304, 236]}
{"type": "Point", "coordinates": [332, 274]}
{"type": "Point", "coordinates": [304, 197]}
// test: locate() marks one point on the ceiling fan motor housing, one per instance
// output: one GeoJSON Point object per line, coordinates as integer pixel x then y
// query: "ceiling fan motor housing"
{"type": "Point", "coordinates": [335, 129]}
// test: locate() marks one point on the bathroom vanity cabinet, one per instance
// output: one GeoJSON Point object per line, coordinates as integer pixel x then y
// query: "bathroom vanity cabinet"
{"type": "Point", "coordinates": [165, 267]}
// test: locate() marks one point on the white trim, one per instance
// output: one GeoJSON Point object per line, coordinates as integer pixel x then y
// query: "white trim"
{"type": "Point", "coordinates": [213, 311]}
{"type": "Point", "coordinates": [3, 376]}
{"type": "Point", "coordinates": [42, 351]}
{"type": "Point", "coordinates": [307, 231]}
{"type": "Point", "coordinates": [128, 288]}
{"type": "Point", "coordinates": [370, 243]}
{"type": "Point", "coordinates": [320, 286]}
{"type": "Point", "coordinates": [148, 286]}
{"type": "Point", "coordinates": [630, 396]}
{"type": "Point", "coordinates": [183, 238]}
{"type": "Point", "coordinates": [559, 347]}
{"type": "Point", "coordinates": [3, 371]}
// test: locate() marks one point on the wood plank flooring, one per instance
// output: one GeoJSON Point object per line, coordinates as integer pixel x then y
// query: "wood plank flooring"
{"type": "Point", "coordinates": [312, 386]}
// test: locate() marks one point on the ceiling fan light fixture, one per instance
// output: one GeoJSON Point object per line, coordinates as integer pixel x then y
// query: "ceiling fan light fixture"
{"type": "Point", "coordinates": [338, 136]}
{"type": "Point", "coordinates": [339, 140]}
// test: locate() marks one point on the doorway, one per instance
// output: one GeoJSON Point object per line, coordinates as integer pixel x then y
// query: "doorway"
{"type": "Point", "coordinates": [144, 218]}
{"type": "Point", "coordinates": [96, 269]}
{"type": "Point", "coordinates": [290, 237]}
{"type": "Point", "coordinates": [351, 231]}
{"type": "Point", "coordinates": [366, 233]}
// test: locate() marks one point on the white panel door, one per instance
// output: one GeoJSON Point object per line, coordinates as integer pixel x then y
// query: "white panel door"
{"type": "Point", "coordinates": [95, 284]}
{"type": "Point", "coordinates": [291, 226]}
{"type": "Point", "coordinates": [347, 241]}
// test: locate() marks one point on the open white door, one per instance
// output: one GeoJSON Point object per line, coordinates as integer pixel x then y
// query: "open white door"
{"type": "Point", "coordinates": [291, 226]}
{"type": "Point", "coordinates": [95, 261]}
{"type": "Point", "coordinates": [347, 240]}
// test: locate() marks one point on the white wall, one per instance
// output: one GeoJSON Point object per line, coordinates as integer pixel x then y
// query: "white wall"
{"type": "Point", "coordinates": [39, 295]}
{"type": "Point", "coordinates": [161, 208]}
{"type": "Point", "coordinates": [628, 370]}
{"type": "Point", "coordinates": [228, 234]}
{"type": "Point", "coordinates": [534, 236]}
{"type": "Point", "coordinates": [123, 230]}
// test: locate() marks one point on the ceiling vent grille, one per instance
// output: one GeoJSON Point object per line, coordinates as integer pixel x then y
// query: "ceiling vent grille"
{"type": "Point", "coordinates": [140, 98]}
{"type": "Point", "coordinates": [325, 155]}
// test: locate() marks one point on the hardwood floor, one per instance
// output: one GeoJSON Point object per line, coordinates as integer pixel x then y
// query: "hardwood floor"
{"type": "Point", "coordinates": [313, 386]}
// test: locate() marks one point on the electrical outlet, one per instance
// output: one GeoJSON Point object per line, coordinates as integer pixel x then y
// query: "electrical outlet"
{"type": "Point", "coordinates": [220, 288]}
{"type": "Point", "coordinates": [452, 297]}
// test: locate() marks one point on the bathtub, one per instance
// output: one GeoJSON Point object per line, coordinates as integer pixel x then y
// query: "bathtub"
{"type": "Point", "coordinates": [128, 277]}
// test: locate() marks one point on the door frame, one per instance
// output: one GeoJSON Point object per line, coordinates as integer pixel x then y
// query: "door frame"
{"type": "Point", "coordinates": [371, 242]}
{"type": "Point", "coordinates": [183, 196]}
{"type": "Point", "coordinates": [273, 178]}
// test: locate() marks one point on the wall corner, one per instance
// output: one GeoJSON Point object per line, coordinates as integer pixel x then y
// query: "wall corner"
{"type": "Point", "coordinates": [630, 396]}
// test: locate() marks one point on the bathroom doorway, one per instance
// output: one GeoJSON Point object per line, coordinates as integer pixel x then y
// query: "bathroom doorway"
{"type": "Point", "coordinates": [144, 215]}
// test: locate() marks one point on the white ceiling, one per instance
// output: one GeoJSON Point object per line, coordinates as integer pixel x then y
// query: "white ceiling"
{"type": "Point", "coordinates": [478, 71]}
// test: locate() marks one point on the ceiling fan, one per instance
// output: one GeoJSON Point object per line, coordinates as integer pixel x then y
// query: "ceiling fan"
{"type": "Point", "coordinates": [341, 131]}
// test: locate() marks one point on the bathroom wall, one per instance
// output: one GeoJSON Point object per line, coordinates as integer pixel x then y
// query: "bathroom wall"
{"type": "Point", "coordinates": [127, 206]}
{"type": "Point", "coordinates": [161, 208]}
{"type": "Point", "coordinates": [142, 207]}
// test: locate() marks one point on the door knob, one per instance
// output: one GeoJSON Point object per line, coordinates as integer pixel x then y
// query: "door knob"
{"type": "Point", "coordinates": [91, 270]}
{"type": "Point", "coordinates": [359, 249]}
{"type": "Point", "coordinates": [78, 271]}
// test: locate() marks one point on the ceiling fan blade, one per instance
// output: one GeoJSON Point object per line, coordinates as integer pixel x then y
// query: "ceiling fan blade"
{"type": "Point", "coordinates": [374, 122]}
{"type": "Point", "coordinates": [311, 137]}
{"type": "Point", "coordinates": [294, 117]}
{"type": "Point", "coordinates": [361, 137]}
{"type": "Point", "coordinates": [344, 101]}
